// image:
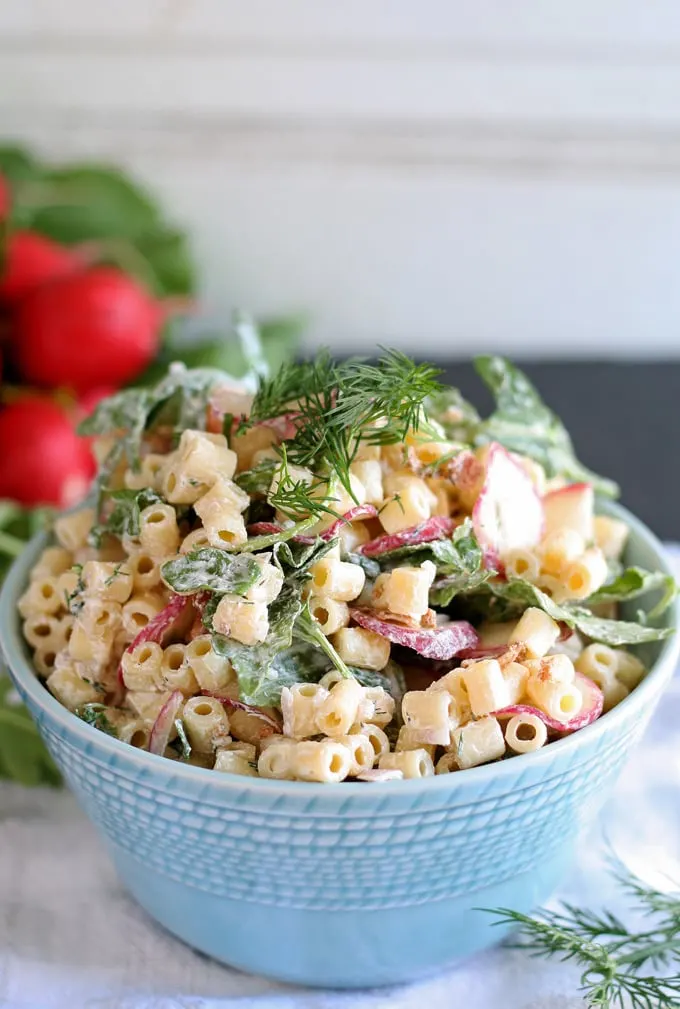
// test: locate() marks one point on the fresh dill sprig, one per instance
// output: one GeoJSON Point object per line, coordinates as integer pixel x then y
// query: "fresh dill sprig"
{"type": "Point", "coordinates": [296, 497]}
{"type": "Point", "coordinates": [611, 956]}
{"type": "Point", "coordinates": [307, 629]}
{"type": "Point", "coordinates": [338, 404]}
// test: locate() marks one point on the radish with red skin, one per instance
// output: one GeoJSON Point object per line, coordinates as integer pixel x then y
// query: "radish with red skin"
{"type": "Point", "coordinates": [156, 629]}
{"type": "Point", "coordinates": [165, 722]}
{"type": "Point", "coordinates": [436, 528]}
{"type": "Point", "coordinates": [251, 709]}
{"type": "Point", "coordinates": [43, 460]}
{"type": "Point", "coordinates": [91, 329]}
{"type": "Point", "coordinates": [571, 507]}
{"type": "Point", "coordinates": [508, 514]}
{"type": "Point", "coordinates": [593, 700]}
{"type": "Point", "coordinates": [32, 260]}
{"type": "Point", "coordinates": [438, 643]}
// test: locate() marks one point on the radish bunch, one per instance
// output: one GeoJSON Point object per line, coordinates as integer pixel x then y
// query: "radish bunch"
{"type": "Point", "coordinates": [70, 326]}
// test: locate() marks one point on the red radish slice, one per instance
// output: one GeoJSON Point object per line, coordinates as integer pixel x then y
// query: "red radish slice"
{"type": "Point", "coordinates": [439, 643]}
{"type": "Point", "coordinates": [436, 528]}
{"type": "Point", "coordinates": [156, 628]}
{"type": "Point", "coordinates": [264, 529]}
{"type": "Point", "coordinates": [162, 727]}
{"type": "Point", "coordinates": [364, 511]}
{"type": "Point", "coordinates": [508, 514]}
{"type": "Point", "coordinates": [592, 708]}
{"type": "Point", "coordinates": [571, 507]}
{"type": "Point", "coordinates": [381, 774]}
{"type": "Point", "coordinates": [251, 709]}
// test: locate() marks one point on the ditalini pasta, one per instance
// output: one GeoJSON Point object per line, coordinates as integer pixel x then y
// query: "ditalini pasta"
{"type": "Point", "coordinates": [345, 576]}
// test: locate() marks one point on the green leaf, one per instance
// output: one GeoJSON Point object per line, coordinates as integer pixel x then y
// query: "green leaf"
{"type": "Point", "coordinates": [458, 418]}
{"type": "Point", "coordinates": [281, 337]}
{"type": "Point", "coordinates": [307, 629]}
{"type": "Point", "coordinates": [524, 424]}
{"type": "Point", "coordinates": [23, 757]}
{"type": "Point", "coordinates": [257, 480]}
{"type": "Point", "coordinates": [633, 583]}
{"type": "Point", "coordinates": [85, 202]}
{"type": "Point", "coordinates": [168, 254]}
{"type": "Point", "coordinates": [124, 519]}
{"type": "Point", "coordinates": [295, 559]}
{"type": "Point", "coordinates": [17, 164]}
{"type": "Point", "coordinates": [258, 676]}
{"type": "Point", "coordinates": [609, 632]}
{"type": "Point", "coordinates": [182, 743]}
{"type": "Point", "coordinates": [211, 570]}
{"type": "Point", "coordinates": [272, 539]}
{"type": "Point", "coordinates": [458, 559]}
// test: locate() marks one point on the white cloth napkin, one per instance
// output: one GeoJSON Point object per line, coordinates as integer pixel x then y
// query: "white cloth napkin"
{"type": "Point", "coordinates": [71, 938]}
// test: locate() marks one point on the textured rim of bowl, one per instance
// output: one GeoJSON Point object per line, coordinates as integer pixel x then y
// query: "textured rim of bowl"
{"type": "Point", "coordinates": [12, 645]}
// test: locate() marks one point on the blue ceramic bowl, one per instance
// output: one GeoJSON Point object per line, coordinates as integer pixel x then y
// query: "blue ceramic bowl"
{"type": "Point", "coordinates": [346, 885]}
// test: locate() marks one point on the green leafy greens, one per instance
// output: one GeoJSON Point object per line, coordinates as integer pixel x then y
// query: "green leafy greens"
{"type": "Point", "coordinates": [211, 570]}
{"type": "Point", "coordinates": [124, 518]}
{"type": "Point", "coordinates": [523, 423]}
{"type": "Point", "coordinates": [23, 756]}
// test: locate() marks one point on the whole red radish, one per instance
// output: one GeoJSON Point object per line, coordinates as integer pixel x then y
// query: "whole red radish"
{"type": "Point", "coordinates": [87, 330]}
{"type": "Point", "coordinates": [42, 459]}
{"type": "Point", "coordinates": [31, 260]}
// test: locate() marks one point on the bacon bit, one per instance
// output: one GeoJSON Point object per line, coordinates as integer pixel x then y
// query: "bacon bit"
{"type": "Point", "coordinates": [465, 470]}
{"type": "Point", "coordinates": [429, 619]}
{"type": "Point", "coordinates": [470, 655]}
{"type": "Point", "coordinates": [231, 702]}
{"type": "Point", "coordinates": [440, 643]}
{"type": "Point", "coordinates": [593, 700]}
{"type": "Point", "coordinates": [156, 628]}
{"type": "Point", "coordinates": [436, 528]}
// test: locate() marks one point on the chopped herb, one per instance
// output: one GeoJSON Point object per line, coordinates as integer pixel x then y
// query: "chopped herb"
{"type": "Point", "coordinates": [181, 744]}
{"type": "Point", "coordinates": [97, 715]}
{"type": "Point", "coordinates": [124, 519]}
{"type": "Point", "coordinates": [308, 629]}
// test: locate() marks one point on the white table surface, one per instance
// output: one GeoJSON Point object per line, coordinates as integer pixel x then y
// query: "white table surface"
{"type": "Point", "coordinates": [71, 938]}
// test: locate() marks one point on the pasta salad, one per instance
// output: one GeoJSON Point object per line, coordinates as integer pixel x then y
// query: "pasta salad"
{"type": "Point", "coordinates": [345, 574]}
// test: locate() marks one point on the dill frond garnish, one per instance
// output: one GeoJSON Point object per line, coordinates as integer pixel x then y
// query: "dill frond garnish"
{"type": "Point", "coordinates": [336, 405]}
{"type": "Point", "coordinates": [612, 957]}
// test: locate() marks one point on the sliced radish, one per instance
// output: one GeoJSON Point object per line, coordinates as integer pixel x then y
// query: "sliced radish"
{"type": "Point", "coordinates": [436, 528]}
{"type": "Point", "coordinates": [439, 643]}
{"type": "Point", "coordinates": [571, 507]}
{"type": "Point", "coordinates": [251, 709]}
{"type": "Point", "coordinates": [508, 514]}
{"type": "Point", "coordinates": [381, 774]}
{"type": "Point", "coordinates": [364, 511]}
{"type": "Point", "coordinates": [156, 628]}
{"type": "Point", "coordinates": [164, 724]}
{"type": "Point", "coordinates": [264, 529]}
{"type": "Point", "coordinates": [592, 708]}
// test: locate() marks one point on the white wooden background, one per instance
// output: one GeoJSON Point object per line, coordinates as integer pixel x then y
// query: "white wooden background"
{"type": "Point", "coordinates": [441, 175]}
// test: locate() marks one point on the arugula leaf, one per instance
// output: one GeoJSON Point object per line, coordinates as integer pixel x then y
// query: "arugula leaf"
{"type": "Point", "coordinates": [272, 539]}
{"type": "Point", "coordinates": [295, 559]}
{"type": "Point", "coordinates": [307, 629]}
{"type": "Point", "coordinates": [635, 582]}
{"type": "Point", "coordinates": [458, 418]}
{"type": "Point", "coordinates": [179, 399]}
{"type": "Point", "coordinates": [370, 567]}
{"type": "Point", "coordinates": [258, 676]}
{"type": "Point", "coordinates": [96, 715]}
{"type": "Point", "coordinates": [257, 480]}
{"type": "Point", "coordinates": [212, 570]}
{"type": "Point", "coordinates": [23, 756]}
{"type": "Point", "coordinates": [124, 519]}
{"type": "Point", "coordinates": [458, 559]}
{"type": "Point", "coordinates": [181, 744]}
{"type": "Point", "coordinates": [524, 424]}
{"type": "Point", "coordinates": [609, 632]}
{"type": "Point", "coordinates": [391, 679]}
